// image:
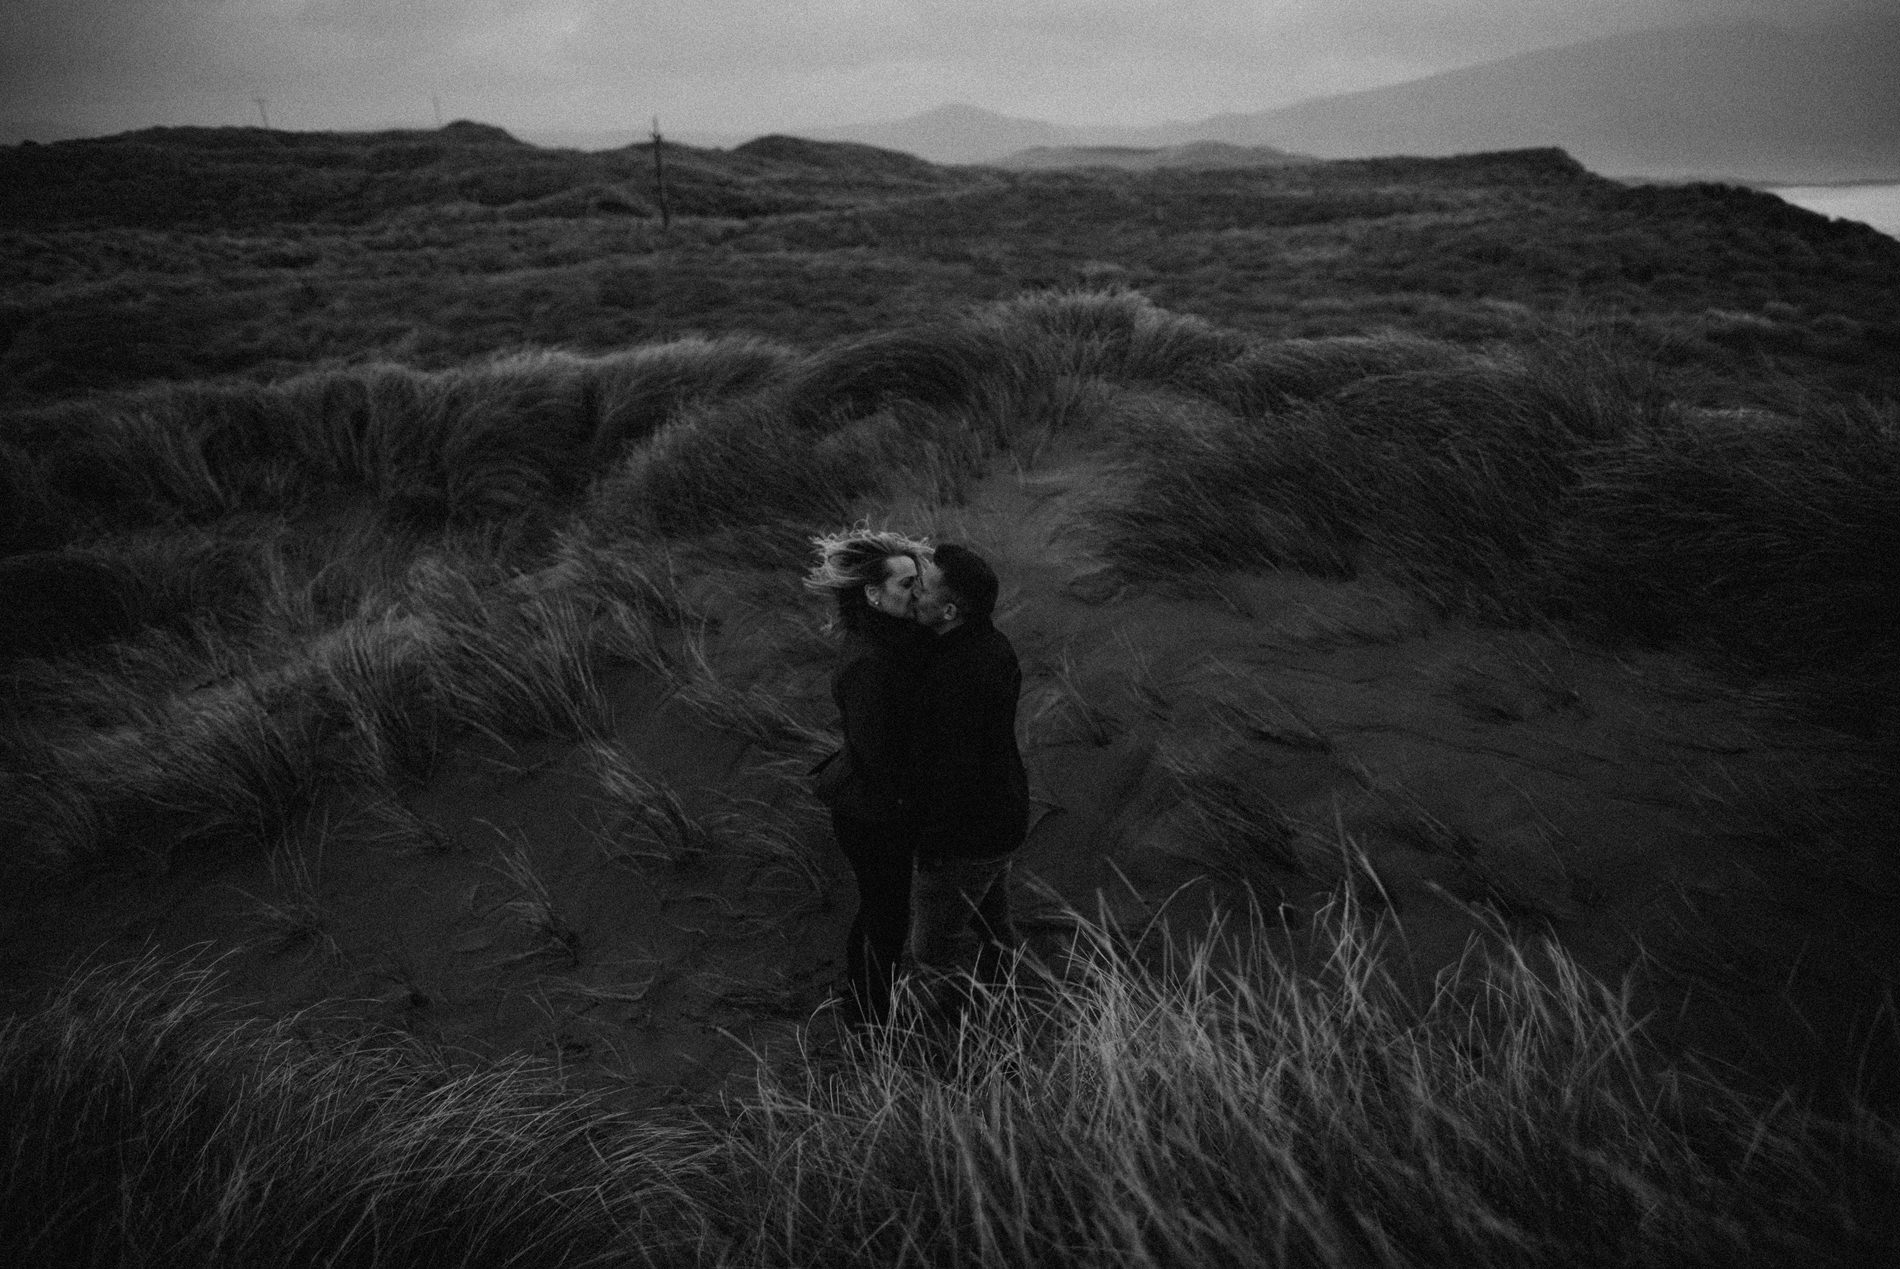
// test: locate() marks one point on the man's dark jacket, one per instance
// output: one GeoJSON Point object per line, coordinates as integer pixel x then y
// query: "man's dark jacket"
{"type": "Point", "coordinates": [971, 789]}
{"type": "Point", "coordinates": [876, 688]}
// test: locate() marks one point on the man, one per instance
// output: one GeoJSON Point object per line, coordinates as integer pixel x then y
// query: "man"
{"type": "Point", "coordinates": [971, 790]}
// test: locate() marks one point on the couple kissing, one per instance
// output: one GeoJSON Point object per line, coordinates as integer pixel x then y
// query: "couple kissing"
{"type": "Point", "coordinates": [928, 794]}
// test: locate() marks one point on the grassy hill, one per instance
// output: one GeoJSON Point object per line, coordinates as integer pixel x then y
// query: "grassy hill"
{"type": "Point", "coordinates": [232, 178]}
{"type": "Point", "coordinates": [264, 253]}
{"type": "Point", "coordinates": [1459, 699]}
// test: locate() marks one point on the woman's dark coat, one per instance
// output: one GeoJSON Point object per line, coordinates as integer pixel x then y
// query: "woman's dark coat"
{"type": "Point", "coordinates": [876, 691]}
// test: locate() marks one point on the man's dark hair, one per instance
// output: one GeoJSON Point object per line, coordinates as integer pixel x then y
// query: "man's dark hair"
{"type": "Point", "coordinates": [969, 579]}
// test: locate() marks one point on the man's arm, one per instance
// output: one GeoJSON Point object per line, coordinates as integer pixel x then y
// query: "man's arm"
{"type": "Point", "coordinates": [962, 715]}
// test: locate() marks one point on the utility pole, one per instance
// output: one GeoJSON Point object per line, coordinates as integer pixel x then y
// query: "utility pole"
{"type": "Point", "coordinates": [659, 176]}
{"type": "Point", "coordinates": [263, 110]}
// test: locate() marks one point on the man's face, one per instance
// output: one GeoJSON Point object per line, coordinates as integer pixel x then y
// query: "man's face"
{"type": "Point", "coordinates": [896, 595]}
{"type": "Point", "coordinates": [933, 601]}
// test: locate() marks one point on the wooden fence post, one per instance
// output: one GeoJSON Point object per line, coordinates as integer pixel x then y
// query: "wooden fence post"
{"type": "Point", "coordinates": [659, 176]}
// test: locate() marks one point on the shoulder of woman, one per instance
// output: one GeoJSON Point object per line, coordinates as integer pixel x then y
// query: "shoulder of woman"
{"type": "Point", "coordinates": [871, 660]}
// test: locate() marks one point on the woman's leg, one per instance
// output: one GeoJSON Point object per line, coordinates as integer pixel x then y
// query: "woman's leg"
{"type": "Point", "coordinates": [880, 857]}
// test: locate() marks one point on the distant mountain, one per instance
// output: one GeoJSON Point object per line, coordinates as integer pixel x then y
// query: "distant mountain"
{"type": "Point", "coordinates": [1745, 102]}
{"type": "Point", "coordinates": [1197, 154]}
{"type": "Point", "coordinates": [960, 133]}
{"type": "Point", "coordinates": [1748, 102]}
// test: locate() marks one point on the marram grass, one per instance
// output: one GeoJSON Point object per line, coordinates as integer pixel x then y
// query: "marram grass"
{"type": "Point", "coordinates": [1212, 1104]}
{"type": "Point", "coordinates": [203, 746]}
{"type": "Point", "coordinates": [1557, 482]}
{"type": "Point", "coordinates": [1567, 477]}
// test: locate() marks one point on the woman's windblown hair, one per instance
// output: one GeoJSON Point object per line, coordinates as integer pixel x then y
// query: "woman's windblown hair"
{"type": "Point", "coordinates": [854, 558]}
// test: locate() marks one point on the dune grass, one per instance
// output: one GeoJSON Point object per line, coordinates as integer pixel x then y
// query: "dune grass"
{"type": "Point", "coordinates": [1759, 534]}
{"type": "Point", "coordinates": [380, 689]}
{"type": "Point", "coordinates": [1217, 1102]}
{"type": "Point", "coordinates": [514, 669]}
{"type": "Point", "coordinates": [1562, 479]}
{"type": "Point", "coordinates": [532, 904]}
{"type": "Point", "coordinates": [1230, 1110]}
{"type": "Point", "coordinates": [236, 770]}
{"type": "Point", "coordinates": [506, 437]}
{"type": "Point", "coordinates": [1558, 481]}
{"type": "Point", "coordinates": [293, 912]}
{"type": "Point", "coordinates": [754, 710]}
{"type": "Point", "coordinates": [354, 671]}
{"type": "Point", "coordinates": [438, 253]}
{"type": "Point", "coordinates": [647, 822]}
{"type": "Point", "coordinates": [1225, 1108]}
{"type": "Point", "coordinates": [146, 1122]}
{"type": "Point", "coordinates": [1063, 708]}
{"type": "Point", "coordinates": [327, 574]}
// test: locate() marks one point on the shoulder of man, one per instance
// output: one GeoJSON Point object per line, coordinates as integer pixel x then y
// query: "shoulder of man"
{"type": "Point", "coordinates": [984, 659]}
{"type": "Point", "coordinates": [994, 646]}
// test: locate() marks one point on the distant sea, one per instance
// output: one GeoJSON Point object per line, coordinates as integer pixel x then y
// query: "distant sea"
{"type": "Point", "coordinates": [1876, 205]}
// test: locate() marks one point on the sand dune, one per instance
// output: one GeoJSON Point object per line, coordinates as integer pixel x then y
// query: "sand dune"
{"type": "Point", "coordinates": [1249, 739]}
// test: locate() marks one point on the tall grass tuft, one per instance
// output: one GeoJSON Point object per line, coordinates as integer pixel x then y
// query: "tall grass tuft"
{"type": "Point", "coordinates": [1450, 479]}
{"type": "Point", "coordinates": [220, 734]}
{"type": "Point", "coordinates": [939, 366]}
{"type": "Point", "coordinates": [504, 438]}
{"type": "Point", "coordinates": [509, 665]}
{"type": "Point", "coordinates": [1227, 822]}
{"type": "Point", "coordinates": [1272, 375]}
{"type": "Point", "coordinates": [837, 426]}
{"type": "Point", "coordinates": [521, 421]}
{"type": "Point", "coordinates": [732, 463]}
{"type": "Point", "coordinates": [647, 820]}
{"type": "Point", "coordinates": [1235, 1110]}
{"type": "Point", "coordinates": [532, 903]}
{"type": "Point", "coordinates": [455, 446]}
{"type": "Point", "coordinates": [1117, 335]}
{"type": "Point", "coordinates": [1769, 536]}
{"type": "Point", "coordinates": [753, 710]}
{"type": "Point", "coordinates": [294, 913]}
{"type": "Point", "coordinates": [146, 1122]}
{"type": "Point", "coordinates": [777, 846]}
{"type": "Point", "coordinates": [381, 687]}
{"type": "Point", "coordinates": [1227, 494]}
{"type": "Point", "coordinates": [1064, 709]}
{"type": "Point", "coordinates": [1560, 483]}
{"type": "Point", "coordinates": [640, 390]}
{"type": "Point", "coordinates": [1217, 1103]}
{"type": "Point", "coordinates": [235, 769]}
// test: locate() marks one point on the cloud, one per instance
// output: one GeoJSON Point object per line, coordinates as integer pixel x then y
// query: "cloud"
{"type": "Point", "coordinates": [749, 64]}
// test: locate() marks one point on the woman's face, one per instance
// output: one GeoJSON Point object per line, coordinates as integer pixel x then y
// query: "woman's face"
{"type": "Point", "coordinates": [896, 595]}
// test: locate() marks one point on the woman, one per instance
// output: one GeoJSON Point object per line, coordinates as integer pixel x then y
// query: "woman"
{"type": "Point", "coordinates": [872, 576]}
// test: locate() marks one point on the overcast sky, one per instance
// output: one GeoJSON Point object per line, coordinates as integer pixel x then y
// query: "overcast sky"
{"type": "Point", "coordinates": [84, 67]}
